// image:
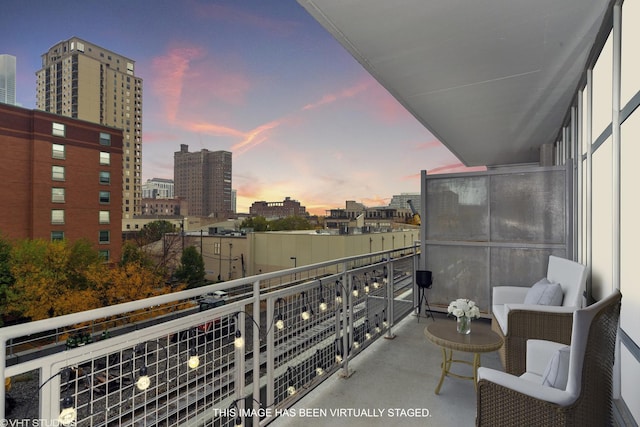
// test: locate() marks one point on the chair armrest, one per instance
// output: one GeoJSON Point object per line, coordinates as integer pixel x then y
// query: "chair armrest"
{"type": "Point", "coordinates": [540, 308]}
{"type": "Point", "coordinates": [509, 294]}
{"type": "Point", "coordinates": [539, 353]}
{"type": "Point", "coordinates": [549, 323]}
{"type": "Point", "coordinates": [528, 388]}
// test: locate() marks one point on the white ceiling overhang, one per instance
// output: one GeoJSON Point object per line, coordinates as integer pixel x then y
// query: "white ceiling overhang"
{"type": "Point", "coordinates": [491, 79]}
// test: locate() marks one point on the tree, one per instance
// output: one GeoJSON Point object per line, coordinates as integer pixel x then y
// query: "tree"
{"type": "Point", "coordinates": [191, 269]}
{"type": "Point", "coordinates": [133, 254]}
{"type": "Point", "coordinates": [129, 282]}
{"type": "Point", "coordinates": [153, 232]}
{"type": "Point", "coordinates": [6, 278]}
{"type": "Point", "coordinates": [290, 223]}
{"type": "Point", "coordinates": [258, 223]}
{"type": "Point", "coordinates": [50, 278]}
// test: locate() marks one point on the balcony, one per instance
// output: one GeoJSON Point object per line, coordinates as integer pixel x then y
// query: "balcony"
{"type": "Point", "coordinates": [170, 361]}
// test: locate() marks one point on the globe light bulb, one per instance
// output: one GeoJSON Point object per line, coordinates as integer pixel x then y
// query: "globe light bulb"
{"type": "Point", "coordinates": [194, 361]}
{"type": "Point", "coordinates": [323, 306]}
{"type": "Point", "coordinates": [291, 390]}
{"type": "Point", "coordinates": [68, 414]}
{"type": "Point", "coordinates": [143, 382]}
{"type": "Point", "coordinates": [238, 342]}
{"type": "Point", "coordinates": [280, 324]}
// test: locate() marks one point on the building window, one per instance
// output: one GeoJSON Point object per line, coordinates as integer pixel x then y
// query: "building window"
{"type": "Point", "coordinates": [104, 255]}
{"type": "Point", "coordinates": [104, 217]}
{"type": "Point", "coordinates": [57, 173]}
{"type": "Point", "coordinates": [58, 129]}
{"type": "Point", "coordinates": [104, 236]}
{"type": "Point", "coordinates": [105, 177]}
{"type": "Point", "coordinates": [57, 216]}
{"type": "Point", "coordinates": [105, 138]}
{"type": "Point", "coordinates": [57, 235]}
{"type": "Point", "coordinates": [105, 158]}
{"type": "Point", "coordinates": [57, 195]}
{"type": "Point", "coordinates": [105, 196]}
{"type": "Point", "coordinates": [58, 151]}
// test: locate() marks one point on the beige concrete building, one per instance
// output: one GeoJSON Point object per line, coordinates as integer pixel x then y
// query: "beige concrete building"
{"type": "Point", "coordinates": [81, 80]}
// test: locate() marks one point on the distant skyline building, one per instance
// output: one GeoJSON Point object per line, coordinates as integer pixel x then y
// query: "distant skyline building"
{"type": "Point", "coordinates": [400, 201]}
{"type": "Point", "coordinates": [287, 207]}
{"type": "Point", "coordinates": [158, 188]}
{"type": "Point", "coordinates": [8, 79]}
{"type": "Point", "coordinates": [81, 80]}
{"type": "Point", "coordinates": [203, 179]}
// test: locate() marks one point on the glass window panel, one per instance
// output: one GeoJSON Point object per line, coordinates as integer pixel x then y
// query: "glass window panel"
{"type": "Point", "coordinates": [58, 151]}
{"type": "Point", "coordinates": [602, 83]}
{"type": "Point", "coordinates": [105, 138]}
{"type": "Point", "coordinates": [105, 177]}
{"type": "Point", "coordinates": [57, 235]}
{"type": "Point", "coordinates": [57, 195]}
{"type": "Point", "coordinates": [104, 217]}
{"type": "Point", "coordinates": [104, 236]}
{"type": "Point", "coordinates": [105, 158]}
{"type": "Point", "coordinates": [630, 84]}
{"type": "Point", "coordinates": [58, 129]}
{"type": "Point", "coordinates": [57, 173]}
{"type": "Point", "coordinates": [105, 196]}
{"type": "Point", "coordinates": [57, 216]}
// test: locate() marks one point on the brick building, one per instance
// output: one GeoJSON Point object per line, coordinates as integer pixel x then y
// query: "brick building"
{"type": "Point", "coordinates": [282, 209]}
{"type": "Point", "coordinates": [61, 179]}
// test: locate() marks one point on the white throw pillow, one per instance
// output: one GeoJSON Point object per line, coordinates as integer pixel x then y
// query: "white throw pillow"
{"type": "Point", "coordinates": [557, 371]}
{"type": "Point", "coordinates": [544, 292]}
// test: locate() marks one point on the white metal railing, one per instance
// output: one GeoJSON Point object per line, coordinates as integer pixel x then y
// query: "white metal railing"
{"type": "Point", "coordinates": [255, 355]}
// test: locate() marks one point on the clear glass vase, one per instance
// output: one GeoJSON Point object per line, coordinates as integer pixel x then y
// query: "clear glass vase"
{"type": "Point", "coordinates": [464, 325]}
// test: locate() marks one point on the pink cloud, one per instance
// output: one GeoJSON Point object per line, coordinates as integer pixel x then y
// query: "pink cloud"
{"type": "Point", "coordinates": [232, 14]}
{"type": "Point", "coordinates": [434, 143]}
{"type": "Point", "coordinates": [330, 98]}
{"type": "Point", "coordinates": [169, 74]}
{"type": "Point", "coordinates": [255, 137]}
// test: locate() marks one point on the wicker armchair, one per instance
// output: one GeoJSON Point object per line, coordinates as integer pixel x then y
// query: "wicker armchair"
{"type": "Point", "coordinates": [517, 322]}
{"type": "Point", "coordinates": [506, 400]}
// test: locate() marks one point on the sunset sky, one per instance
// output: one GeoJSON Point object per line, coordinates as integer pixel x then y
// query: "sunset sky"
{"type": "Point", "coordinates": [258, 78]}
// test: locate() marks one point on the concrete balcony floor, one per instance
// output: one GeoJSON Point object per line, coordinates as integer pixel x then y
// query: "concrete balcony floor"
{"type": "Point", "coordinates": [393, 375]}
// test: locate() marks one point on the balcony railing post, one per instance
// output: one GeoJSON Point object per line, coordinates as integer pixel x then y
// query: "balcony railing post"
{"type": "Point", "coordinates": [239, 361]}
{"type": "Point", "coordinates": [270, 352]}
{"type": "Point", "coordinates": [389, 299]}
{"type": "Point", "coordinates": [256, 353]}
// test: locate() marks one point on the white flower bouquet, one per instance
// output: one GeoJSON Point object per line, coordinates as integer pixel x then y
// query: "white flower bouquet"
{"type": "Point", "coordinates": [464, 307]}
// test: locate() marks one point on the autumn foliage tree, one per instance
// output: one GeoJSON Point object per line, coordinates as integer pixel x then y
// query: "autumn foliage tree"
{"type": "Point", "coordinates": [56, 278]}
{"type": "Point", "coordinates": [50, 278]}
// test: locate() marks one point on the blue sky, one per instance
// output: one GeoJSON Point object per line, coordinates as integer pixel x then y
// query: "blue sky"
{"type": "Point", "coordinates": [258, 78]}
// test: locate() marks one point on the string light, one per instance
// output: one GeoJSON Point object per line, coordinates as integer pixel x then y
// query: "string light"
{"type": "Point", "coordinates": [194, 360]}
{"type": "Point", "coordinates": [68, 414]}
{"type": "Point", "coordinates": [376, 284]}
{"type": "Point", "coordinates": [238, 342]}
{"type": "Point", "coordinates": [143, 381]}
{"type": "Point", "coordinates": [338, 294]}
{"type": "Point", "coordinates": [279, 316]}
{"type": "Point", "coordinates": [305, 314]}
{"type": "Point", "coordinates": [323, 303]}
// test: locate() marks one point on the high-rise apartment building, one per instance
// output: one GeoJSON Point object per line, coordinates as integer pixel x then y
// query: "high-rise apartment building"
{"type": "Point", "coordinates": [84, 81]}
{"type": "Point", "coordinates": [8, 79]}
{"type": "Point", "coordinates": [203, 179]}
